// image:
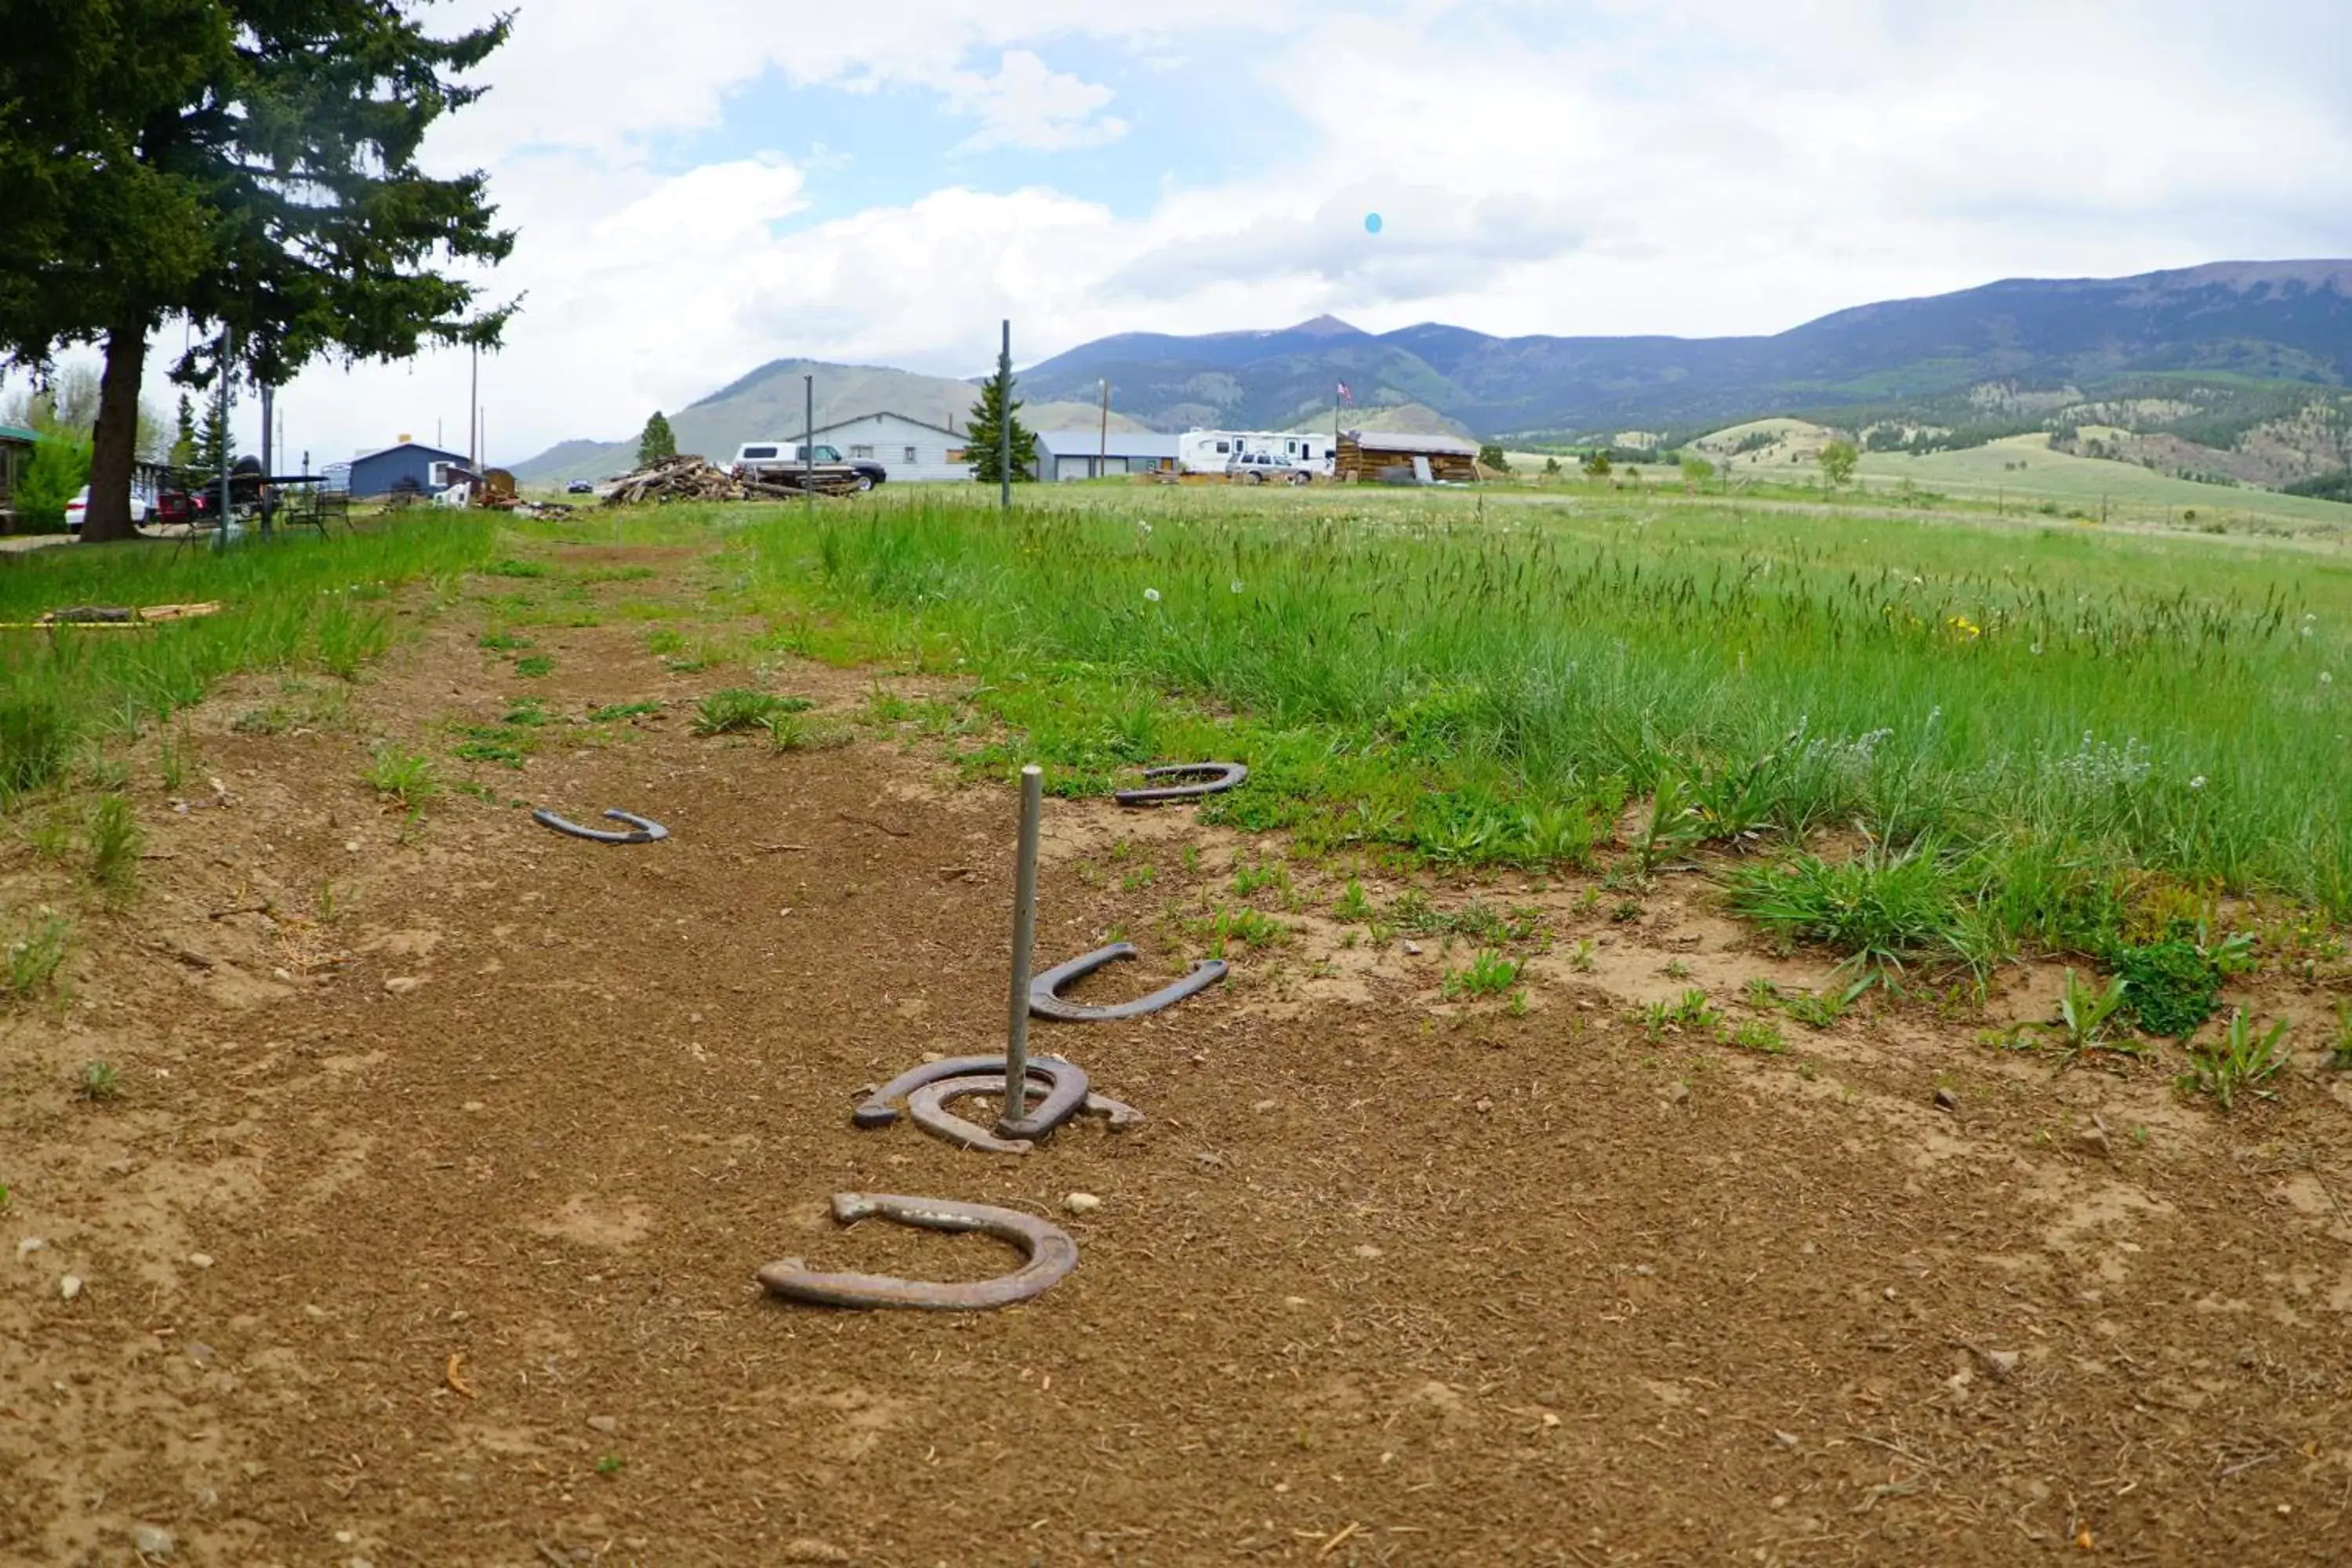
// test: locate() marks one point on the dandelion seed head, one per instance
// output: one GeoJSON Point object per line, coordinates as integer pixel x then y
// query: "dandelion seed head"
{"type": "Point", "coordinates": [2197, 782]}
{"type": "Point", "coordinates": [1237, 585]}
{"type": "Point", "coordinates": [1153, 595]}
{"type": "Point", "coordinates": [2326, 679]}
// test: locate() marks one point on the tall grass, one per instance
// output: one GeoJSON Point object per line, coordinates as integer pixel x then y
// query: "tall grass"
{"type": "Point", "coordinates": [2058, 714]}
{"type": "Point", "coordinates": [289, 603]}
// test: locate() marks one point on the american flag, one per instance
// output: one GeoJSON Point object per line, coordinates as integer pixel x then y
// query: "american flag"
{"type": "Point", "coordinates": [1346, 395]}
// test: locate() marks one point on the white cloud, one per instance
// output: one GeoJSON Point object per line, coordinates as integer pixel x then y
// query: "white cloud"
{"type": "Point", "coordinates": [1617, 166]}
{"type": "Point", "coordinates": [1028, 104]}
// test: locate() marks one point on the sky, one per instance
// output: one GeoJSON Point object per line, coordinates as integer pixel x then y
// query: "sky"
{"type": "Point", "coordinates": [708, 185]}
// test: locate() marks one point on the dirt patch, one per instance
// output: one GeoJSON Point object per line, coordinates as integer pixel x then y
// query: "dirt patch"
{"type": "Point", "coordinates": [424, 1229]}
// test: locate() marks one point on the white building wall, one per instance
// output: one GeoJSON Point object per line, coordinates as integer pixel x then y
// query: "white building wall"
{"type": "Point", "coordinates": [909, 450]}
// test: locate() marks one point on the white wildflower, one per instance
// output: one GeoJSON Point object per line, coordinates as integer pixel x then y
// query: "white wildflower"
{"type": "Point", "coordinates": [2326, 679]}
{"type": "Point", "coordinates": [2036, 650]}
{"type": "Point", "coordinates": [1153, 595]}
{"type": "Point", "coordinates": [1237, 585]}
{"type": "Point", "coordinates": [2197, 782]}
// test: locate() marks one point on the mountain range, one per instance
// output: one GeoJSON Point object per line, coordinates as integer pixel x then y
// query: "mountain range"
{"type": "Point", "coordinates": [2169, 350]}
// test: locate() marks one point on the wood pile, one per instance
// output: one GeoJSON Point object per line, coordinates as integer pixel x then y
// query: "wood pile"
{"type": "Point", "coordinates": [688, 478]}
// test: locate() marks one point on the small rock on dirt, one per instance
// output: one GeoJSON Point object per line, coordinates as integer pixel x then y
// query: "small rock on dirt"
{"type": "Point", "coordinates": [1082, 1203]}
{"type": "Point", "coordinates": [1946, 1100]}
{"type": "Point", "coordinates": [1676, 1093]}
{"type": "Point", "coordinates": [69, 1287]}
{"type": "Point", "coordinates": [807, 1549]}
{"type": "Point", "coordinates": [1413, 948]}
{"type": "Point", "coordinates": [402, 984]}
{"type": "Point", "coordinates": [1367, 1251]}
{"type": "Point", "coordinates": [2000, 1363]}
{"type": "Point", "coordinates": [152, 1541]}
{"type": "Point", "coordinates": [605, 1424]}
{"type": "Point", "coordinates": [29, 1245]}
{"type": "Point", "coordinates": [200, 1260]}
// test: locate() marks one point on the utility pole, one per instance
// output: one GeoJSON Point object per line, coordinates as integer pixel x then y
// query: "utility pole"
{"type": "Point", "coordinates": [228, 342]}
{"type": "Point", "coordinates": [269, 452]}
{"type": "Point", "coordinates": [808, 446]}
{"type": "Point", "coordinates": [1102, 448]}
{"type": "Point", "coordinates": [474, 415]}
{"type": "Point", "coordinates": [1004, 421]}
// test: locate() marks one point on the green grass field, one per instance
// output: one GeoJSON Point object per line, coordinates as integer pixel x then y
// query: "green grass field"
{"type": "Point", "coordinates": [2053, 737]}
{"type": "Point", "coordinates": [2027, 472]}
{"type": "Point", "coordinates": [295, 601]}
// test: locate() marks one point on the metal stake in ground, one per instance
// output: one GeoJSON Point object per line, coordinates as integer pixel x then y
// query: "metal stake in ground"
{"type": "Point", "coordinates": [1024, 937]}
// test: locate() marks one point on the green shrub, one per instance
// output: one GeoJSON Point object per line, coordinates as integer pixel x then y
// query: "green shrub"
{"type": "Point", "coordinates": [60, 466]}
{"type": "Point", "coordinates": [2170, 987]}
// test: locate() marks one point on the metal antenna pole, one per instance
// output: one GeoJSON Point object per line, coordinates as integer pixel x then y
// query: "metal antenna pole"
{"type": "Point", "coordinates": [220, 534]}
{"type": "Point", "coordinates": [1024, 937]}
{"type": "Point", "coordinates": [808, 448]}
{"type": "Point", "coordinates": [1004, 426]}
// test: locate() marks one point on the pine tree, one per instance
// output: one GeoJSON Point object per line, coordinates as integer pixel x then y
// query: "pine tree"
{"type": "Point", "coordinates": [212, 445]}
{"type": "Point", "coordinates": [657, 445]}
{"type": "Point", "coordinates": [265, 155]}
{"type": "Point", "coordinates": [183, 443]}
{"type": "Point", "coordinates": [981, 446]}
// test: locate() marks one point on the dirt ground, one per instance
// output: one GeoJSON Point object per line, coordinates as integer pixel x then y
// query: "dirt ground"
{"type": "Point", "coordinates": [424, 1227]}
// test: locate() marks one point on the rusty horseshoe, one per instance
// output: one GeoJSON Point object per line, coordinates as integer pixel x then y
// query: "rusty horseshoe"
{"type": "Point", "coordinates": [643, 830]}
{"type": "Point", "coordinates": [1044, 1002]}
{"type": "Point", "coordinates": [1047, 1251]}
{"type": "Point", "coordinates": [1063, 1100]}
{"type": "Point", "coordinates": [1219, 778]}
{"type": "Point", "coordinates": [927, 1108]}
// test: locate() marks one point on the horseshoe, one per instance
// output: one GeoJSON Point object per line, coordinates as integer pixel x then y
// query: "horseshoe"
{"type": "Point", "coordinates": [1223, 777]}
{"type": "Point", "coordinates": [1048, 1256]}
{"type": "Point", "coordinates": [928, 1107]}
{"type": "Point", "coordinates": [1044, 1002]}
{"type": "Point", "coordinates": [645, 829]}
{"type": "Point", "coordinates": [1061, 1103]}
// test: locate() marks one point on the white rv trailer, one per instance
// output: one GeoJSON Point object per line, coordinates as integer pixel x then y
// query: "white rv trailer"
{"type": "Point", "coordinates": [1211, 451]}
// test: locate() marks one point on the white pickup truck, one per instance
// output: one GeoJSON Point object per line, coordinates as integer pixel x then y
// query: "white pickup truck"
{"type": "Point", "coordinates": [783, 463]}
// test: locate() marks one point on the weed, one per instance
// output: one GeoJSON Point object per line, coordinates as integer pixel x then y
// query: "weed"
{"type": "Point", "coordinates": [1690, 1011]}
{"type": "Point", "coordinates": [1246, 926]}
{"type": "Point", "coordinates": [1190, 858]}
{"type": "Point", "coordinates": [610, 1464]}
{"type": "Point", "coordinates": [2082, 1014]}
{"type": "Point", "coordinates": [115, 842]}
{"type": "Point", "coordinates": [1674, 824]}
{"type": "Point", "coordinates": [2174, 985]}
{"type": "Point", "coordinates": [1820, 1009]}
{"type": "Point", "coordinates": [886, 707]}
{"type": "Point", "coordinates": [1625, 909]}
{"type": "Point", "coordinates": [535, 666]}
{"type": "Point", "coordinates": [612, 712]}
{"type": "Point", "coordinates": [1559, 835]}
{"type": "Point", "coordinates": [504, 642]}
{"type": "Point", "coordinates": [100, 1082]}
{"type": "Point", "coordinates": [2238, 1062]}
{"type": "Point", "coordinates": [1490, 973]}
{"type": "Point", "coordinates": [37, 740]}
{"type": "Point", "coordinates": [407, 777]}
{"type": "Point", "coordinates": [1518, 1004]}
{"type": "Point", "coordinates": [1880, 909]}
{"type": "Point", "coordinates": [1352, 905]}
{"type": "Point", "coordinates": [786, 732]}
{"type": "Point", "coordinates": [1758, 1034]}
{"type": "Point", "coordinates": [1582, 958]}
{"type": "Point", "coordinates": [663, 642]}
{"type": "Point", "coordinates": [2339, 1047]}
{"type": "Point", "coordinates": [510, 567]}
{"type": "Point", "coordinates": [1761, 991]}
{"type": "Point", "coordinates": [1251, 880]}
{"type": "Point", "coordinates": [33, 956]}
{"type": "Point", "coordinates": [171, 763]}
{"type": "Point", "coordinates": [734, 709]}
{"type": "Point", "coordinates": [1677, 969]}
{"type": "Point", "coordinates": [1136, 879]}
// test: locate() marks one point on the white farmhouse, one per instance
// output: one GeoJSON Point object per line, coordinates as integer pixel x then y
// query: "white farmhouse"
{"type": "Point", "coordinates": [908, 449]}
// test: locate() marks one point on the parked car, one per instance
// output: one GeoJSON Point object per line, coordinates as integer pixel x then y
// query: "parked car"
{"type": "Point", "coordinates": [79, 507]}
{"type": "Point", "coordinates": [778, 463]}
{"type": "Point", "coordinates": [1263, 469]}
{"type": "Point", "coordinates": [580, 488]}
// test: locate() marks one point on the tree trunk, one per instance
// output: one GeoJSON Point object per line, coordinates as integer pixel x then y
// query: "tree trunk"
{"type": "Point", "coordinates": [115, 442]}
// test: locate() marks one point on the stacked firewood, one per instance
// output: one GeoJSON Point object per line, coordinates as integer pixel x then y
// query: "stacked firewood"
{"type": "Point", "coordinates": [688, 478]}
